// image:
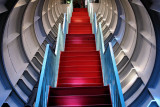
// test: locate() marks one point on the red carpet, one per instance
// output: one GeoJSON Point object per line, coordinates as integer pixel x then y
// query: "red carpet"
{"type": "Point", "coordinates": [80, 81]}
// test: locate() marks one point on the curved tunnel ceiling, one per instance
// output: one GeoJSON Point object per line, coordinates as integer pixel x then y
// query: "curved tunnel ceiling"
{"type": "Point", "coordinates": [31, 24]}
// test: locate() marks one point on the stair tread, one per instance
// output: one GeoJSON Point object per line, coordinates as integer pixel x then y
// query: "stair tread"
{"type": "Point", "coordinates": [80, 80]}
{"type": "Point", "coordinates": [77, 62]}
{"type": "Point", "coordinates": [94, 66]}
{"type": "Point", "coordinates": [80, 45]}
{"type": "Point", "coordinates": [79, 74]}
{"type": "Point", "coordinates": [94, 52]}
{"type": "Point", "coordinates": [80, 34]}
{"type": "Point", "coordinates": [93, 56]}
{"type": "Point", "coordinates": [67, 88]}
{"type": "Point", "coordinates": [97, 105]}
{"type": "Point", "coordinates": [80, 68]}
{"type": "Point", "coordinates": [80, 37]}
{"type": "Point", "coordinates": [64, 91]}
{"type": "Point", "coordinates": [81, 42]}
{"type": "Point", "coordinates": [80, 100]}
{"type": "Point", "coordinates": [79, 85]}
{"type": "Point", "coordinates": [79, 58]}
{"type": "Point", "coordinates": [80, 71]}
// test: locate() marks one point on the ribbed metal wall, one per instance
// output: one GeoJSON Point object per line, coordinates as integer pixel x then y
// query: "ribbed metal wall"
{"type": "Point", "coordinates": [26, 26]}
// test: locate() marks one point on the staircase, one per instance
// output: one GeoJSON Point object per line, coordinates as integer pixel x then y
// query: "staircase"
{"type": "Point", "coordinates": [80, 81]}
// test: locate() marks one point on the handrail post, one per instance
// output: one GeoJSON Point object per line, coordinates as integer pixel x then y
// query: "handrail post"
{"type": "Point", "coordinates": [101, 37]}
{"type": "Point", "coordinates": [59, 40]}
{"type": "Point", "coordinates": [95, 24]}
{"type": "Point", "coordinates": [65, 29]}
{"type": "Point", "coordinates": [64, 22]}
{"type": "Point", "coordinates": [69, 13]}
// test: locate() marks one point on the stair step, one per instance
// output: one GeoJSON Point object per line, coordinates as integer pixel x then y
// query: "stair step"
{"type": "Point", "coordinates": [79, 100]}
{"type": "Point", "coordinates": [84, 49]}
{"type": "Point", "coordinates": [79, 38]}
{"type": "Point", "coordinates": [89, 53]}
{"type": "Point", "coordinates": [80, 13]}
{"type": "Point", "coordinates": [78, 71]}
{"type": "Point", "coordinates": [80, 24]}
{"type": "Point", "coordinates": [79, 58]}
{"type": "Point", "coordinates": [80, 28]}
{"type": "Point", "coordinates": [80, 35]}
{"type": "Point", "coordinates": [79, 80]}
{"type": "Point", "coordinates": [80, 74]}
{"type": "Point", "coordinates": [80, 18]}
{"type": "Point", "coordinates": [83, 17]}
{"type": "Point", "coordinates": [80, 42]}
{"type": "Point", "coordinates": [80, 21]}
{"type": "Point", "coordinates": [80, 10]}
{"type": "Point", "coordinates": [81, 45]}
{"type": "Point", "coordinates": [65, 91]}
{"type": "Point", "coordinates": [80, 68]}
{"type": "Point", "coordinates": [98, 105]}
{"type": "Point", "coordinates": [83, 62]}
{"type": "Point", "coordinates": [79, 85]}
{"type": "Point", "coordinates": [80, 32]}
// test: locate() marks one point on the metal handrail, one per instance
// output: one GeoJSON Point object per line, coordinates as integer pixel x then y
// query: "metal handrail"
{"type": "Point", "coordinates": [90, 11]}
{"type": "Point", "coordinates": [49, 72]}
{"type": "Point", "coordinates": [109, 68]}
{"type": "Point", "coordinates": [69, 11]}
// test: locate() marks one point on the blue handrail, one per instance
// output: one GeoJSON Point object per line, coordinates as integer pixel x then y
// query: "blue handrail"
{"type": "Point", "coordinates": [69, 11]}
{"type": "Point", "coordinates": [65, 25]}
{"type": "Point", "coordinates": [49, 72]}
{"type": "Point", "coordinates": [90, 11]}
{"type": "Point", "coordinates": [109, 68]}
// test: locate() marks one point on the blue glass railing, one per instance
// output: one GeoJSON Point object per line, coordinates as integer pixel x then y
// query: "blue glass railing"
{"type": "Point", "coordinates": [90, 11]}
{"type": "Point", "coordinates": [69, 11]}
{"type": "Point", "coordinates": [109, 68]}
{"type": "Point", "coordinates": [49, 72]}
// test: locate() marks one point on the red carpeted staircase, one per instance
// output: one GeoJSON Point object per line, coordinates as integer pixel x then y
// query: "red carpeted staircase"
{"type": "Point", "coordinates": [80, 81]}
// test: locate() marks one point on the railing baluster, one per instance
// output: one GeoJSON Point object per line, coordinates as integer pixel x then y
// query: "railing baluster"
{"type": "Point", "coordinates": [49, 72]}
{"type": "Point", "coordinates": [109, 68]}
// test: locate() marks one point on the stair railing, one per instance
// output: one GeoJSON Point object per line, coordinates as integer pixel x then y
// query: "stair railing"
{"type": "Point", "coordinates": [109, 68]}
{"type": "Point", "coordinates": [69, 11]}
{"type": "Point", "coordinates": [65, 28]}
{"type": "Point", "coordinates": [90, 11]}
{"type": "Point", "coordinates": [49, 72]}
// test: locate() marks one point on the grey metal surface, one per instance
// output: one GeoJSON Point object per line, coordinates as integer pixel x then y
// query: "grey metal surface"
{"type": "Point", "coordinates": [27, 31]}
{"type": "Point", "coordinates": [34, 23]}
{"type": "Point", "coordinates": [135, 48]}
